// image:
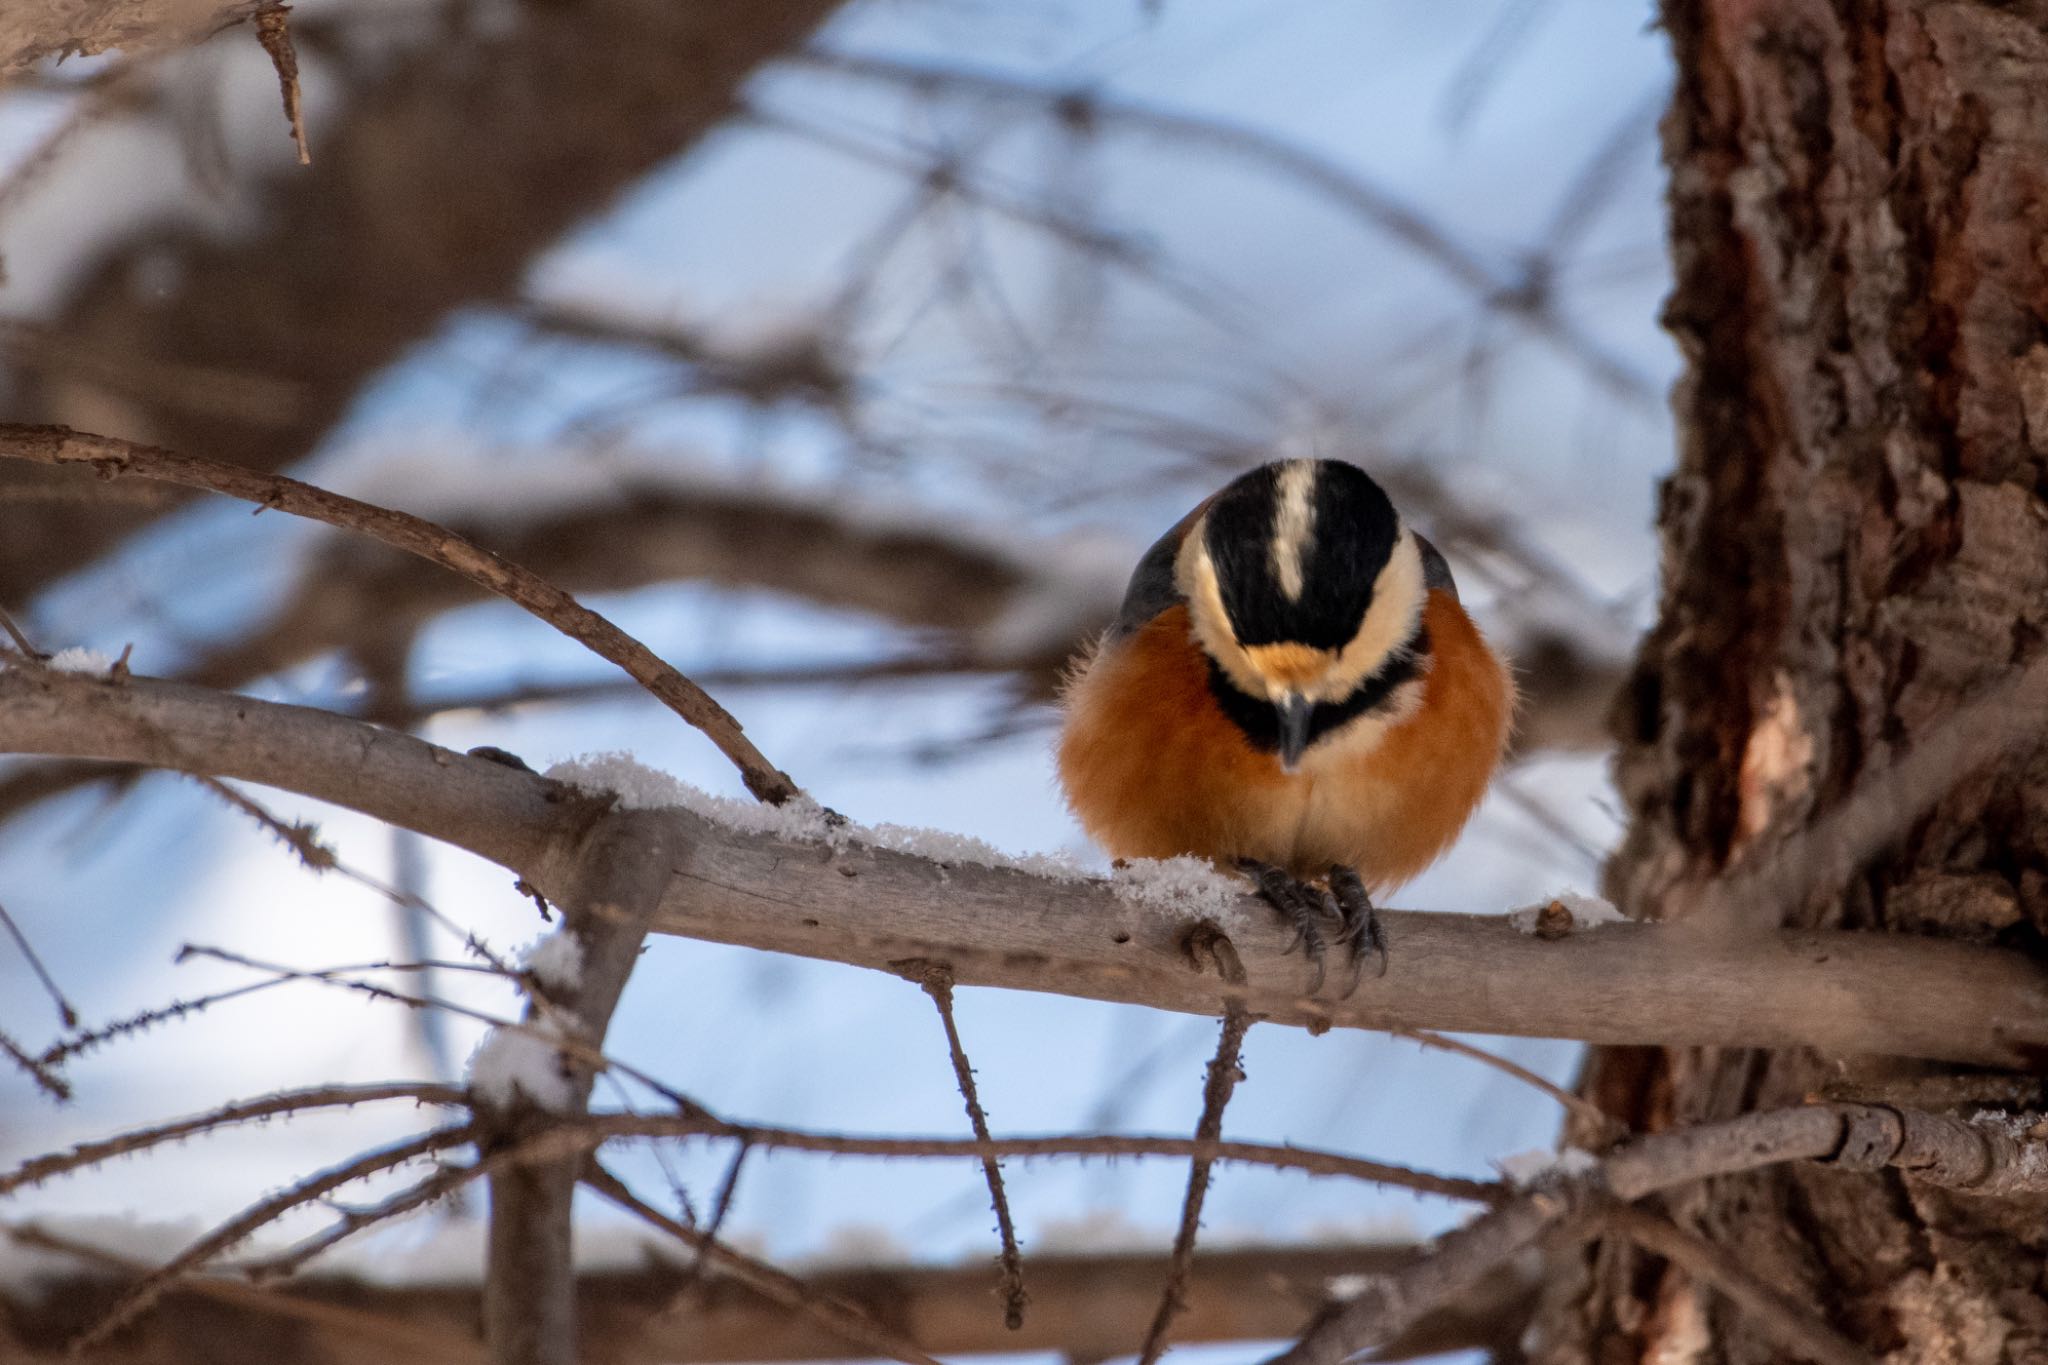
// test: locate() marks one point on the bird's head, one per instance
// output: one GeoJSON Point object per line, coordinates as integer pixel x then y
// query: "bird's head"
{"type": "Point", "coordinates": [1301, 584]}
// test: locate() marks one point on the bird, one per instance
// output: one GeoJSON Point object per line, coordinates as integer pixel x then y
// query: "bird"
{"type": "Point", "coordinates": [1291, 690]}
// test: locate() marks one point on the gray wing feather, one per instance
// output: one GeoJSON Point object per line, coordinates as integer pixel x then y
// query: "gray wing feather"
{"type": "Point", "coordinates": [1436, 570]}
{"type": "Point", "coordinates": [1152, 588]}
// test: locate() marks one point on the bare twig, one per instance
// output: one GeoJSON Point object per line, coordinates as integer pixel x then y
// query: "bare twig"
{"type": "Point", "coordinates": [1374, 205]}
{"type": "Point", "coordinates": [585, 1054]}
{"type": "Point", "coordinates": [38, 1070]}
{"type": "Point", "coordinates": [1939, 1150]}
{"type": "Point", "coordinates": [937, 980]}
{"type": "Point", "coordinates": [841, 1318]}
{"type": "Point", "coordinates": [596, 1129]}
{"type": "Point", "coordinates": [38, 1169]}
{"type": "Point", "coordinates": [66, 1015]}
{"type": "Point", "coordinates": [21, 642]}
{"type": "Point", "coordinates": [273, 30]}
{"type": "Point", "coordinates": [1584, 1109]}
{"type": "Point", "coordinates": [147, 1290]}
{"type": "Point", "coordinates": [112, 457]}
{"type": "Point", "coordinates": [1224, 1074]}
{"type": "Point", "coordinates": [65, 1049]}
{"type": "Point", "coordinates": [443, 1184]}
{"type": "Point", "coordinates": [1796, 1328]}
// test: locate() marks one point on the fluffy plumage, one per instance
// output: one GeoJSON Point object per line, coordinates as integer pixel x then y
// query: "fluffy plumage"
{"type": "Point", "coordinates": [1293, 600]}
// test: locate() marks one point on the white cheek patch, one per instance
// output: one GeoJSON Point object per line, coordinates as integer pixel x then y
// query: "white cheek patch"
{"type": "Point", "coordinates": [1195, 575]}
{"type": "Point", "coordinates": [1294, 525]}
{"type": "Point", "coordinates": [1390, 622]}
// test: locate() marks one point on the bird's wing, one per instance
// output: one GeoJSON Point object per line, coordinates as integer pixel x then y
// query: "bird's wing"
{"type": "Point", "coordinates": [1152, 589]}
{"type": "Point", "coordinates": [1436, 570]}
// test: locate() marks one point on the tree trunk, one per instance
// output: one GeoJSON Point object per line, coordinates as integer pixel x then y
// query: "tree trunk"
{"type": "Point", "coordinates": [1855, 540]}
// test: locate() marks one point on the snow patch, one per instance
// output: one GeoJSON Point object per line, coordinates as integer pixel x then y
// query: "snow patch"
{"type": "Point", "coordinates": [640, 787]}
{"type": "Point", "coordinates": [1345, 1288]}
{"type": "Point", "coordinates": [511, 1062]}
{"type": "Point", "coordinates": [800, 819]}
{"type": "Point", "coordinates": [1190, 887]}
{"type": "Point", "coordinates": [1587, 912]}
{"type": "Point", "coordinates": [78, 659]}
{"type": "Point", "coordinates": [2027, 1132]}
{"type": "Point", "coordinates": [1523, 1169]}
{"type": "Point", "coordinates": [556, 961]}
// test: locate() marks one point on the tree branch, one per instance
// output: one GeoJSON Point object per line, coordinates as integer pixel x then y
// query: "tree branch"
{"type": "Point", "coordinates": [1949, 1152]}
{"type": "Point", "coordinates": [1093, 1305]}
{"type": "Point", "coordinates": [110, 458]}
{"type": "Point", "coordinates": [33, 30]}
{"type": "Point", "coordinates": [850, 902]}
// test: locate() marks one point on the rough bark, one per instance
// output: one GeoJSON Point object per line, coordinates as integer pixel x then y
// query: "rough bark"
{"type": "Point", "coordinates": [34, 30]}
{"type": "Point", "coordinates": [843, 899]}
{"type": "Point", "coordinates": [1855, 539]}
{"type": "Point", "coordinates": [450, 171]}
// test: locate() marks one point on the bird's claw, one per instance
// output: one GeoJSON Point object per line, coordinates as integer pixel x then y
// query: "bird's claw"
{"type": "Point", "coordinates": [1361, 922]}
{"type": "Point", "coordinates": [1304, 906]}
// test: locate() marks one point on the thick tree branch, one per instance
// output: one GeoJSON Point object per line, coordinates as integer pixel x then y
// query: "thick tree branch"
{"type": "Point", "coordinates": [1940, 1150]}
{"type": "Point", "coordinates": [999, 926]}
{"type": "Point", "coordinates": [1092, 1306]}
{"type": "Point", "coordinates": [615, 884]}
{"type": "Point", "coordinates": [33, 30]}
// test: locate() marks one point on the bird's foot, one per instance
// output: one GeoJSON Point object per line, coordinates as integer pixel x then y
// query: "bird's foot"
{"type": "Point", "coordinates": [1305, 907]}
{"type": "Point", "coordinates": [1360, 920]}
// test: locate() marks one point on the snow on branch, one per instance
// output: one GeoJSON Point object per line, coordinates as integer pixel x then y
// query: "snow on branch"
{"type": "Point", "coordinates": [835, 896]}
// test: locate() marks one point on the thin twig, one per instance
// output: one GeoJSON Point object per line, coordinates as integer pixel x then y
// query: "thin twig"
{"type": "Point", "coordinates": [1224, 1074]}
{"type": "Point", "coordinates": [38, 1169]}
{"type": "Point", "coordinates": [112, 457]}
{"type": "Point", "coordinates": [570, 1046]}
{"type": "Point", "coordinates": [1400, 221]}
{"type": "Point", "coordinates": [444, 1183]}
{"type": "Point", "coordinates": [303, 842]}
{"type": "Point", "coordinates": [835, 1315]}
{"type": "Point", "coordinates": [21, 641]}
{"type": "Point", "coordinates": [66, 1015]}
{"type": "Point", "coordinates": [39, 1071]}
{"type": "Point", "coordinates": [937, 980]}
{"type": "Point", "coordinates": [721, 1209]}
{"type": "Point", "coordinates": [273, 30]}
{"type": "Point", "coordinates": [1603, 1123]}
{"type": "Point", "coordinates": [1797, 1330]}
{"type": "Point", "coordinates": [139, 1296]}
{"type": "Point", "coordinates": [596, 1129]}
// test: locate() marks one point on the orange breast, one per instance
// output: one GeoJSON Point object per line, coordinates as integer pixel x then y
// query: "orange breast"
{"type": "Point", "coordinates": [1153, 768]}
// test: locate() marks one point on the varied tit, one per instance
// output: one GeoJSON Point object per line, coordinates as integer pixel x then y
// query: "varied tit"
{"type": "Point", "coordinates": [1290, 689]}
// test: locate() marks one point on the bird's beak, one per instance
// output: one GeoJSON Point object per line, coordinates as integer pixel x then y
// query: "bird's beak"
{"type": "Point", "coordinates": [1294, 711]}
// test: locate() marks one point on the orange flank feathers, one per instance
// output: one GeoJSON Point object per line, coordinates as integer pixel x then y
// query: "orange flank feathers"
{"type": "Point", "coordinates": [1153, 768]}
